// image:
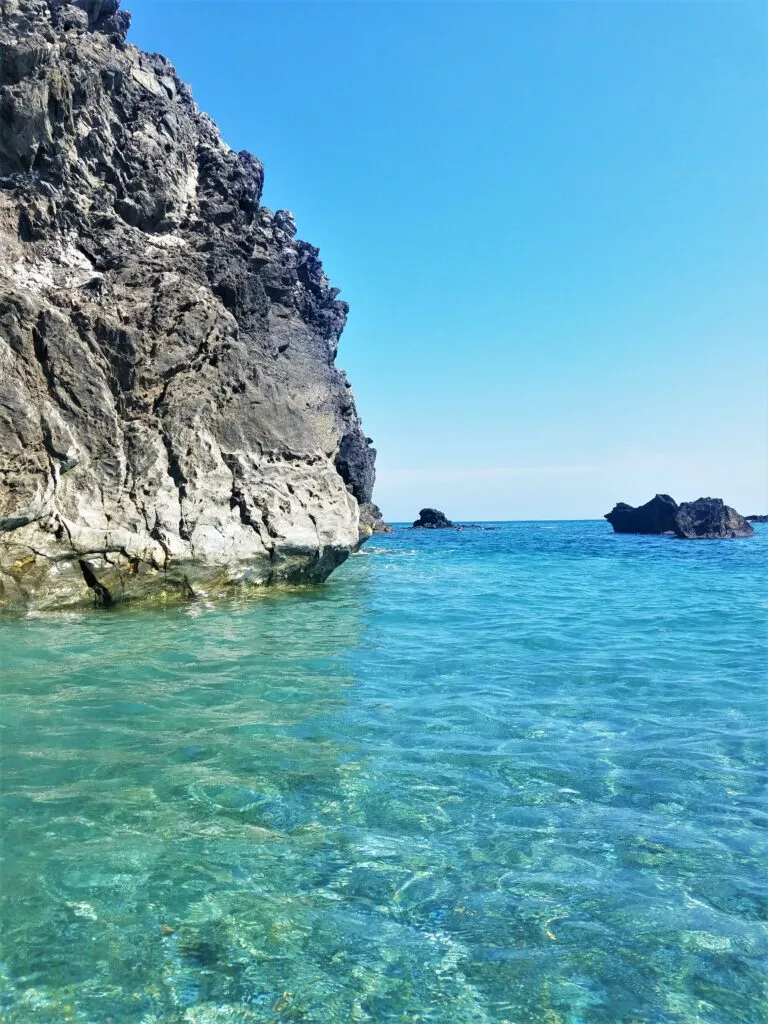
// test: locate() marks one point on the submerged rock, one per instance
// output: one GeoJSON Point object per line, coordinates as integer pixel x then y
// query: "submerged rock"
{"type": "Point", "coordinates": [656, 516]}
{"type": "Point", "coordinates": [708, 519]}
{"type": "Point", "coordinates": [171, 419]}
{"type": "Point", "coordinates": [432, 519]}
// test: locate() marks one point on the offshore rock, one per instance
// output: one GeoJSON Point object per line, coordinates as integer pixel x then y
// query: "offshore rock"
{"type": "Point", "coordinates": [171, 419]}
{"type": "Point", "coordinates": [703, 519]}
{"type": "Point", "coordinates": [656, 516]}
{"type": "Point", "coordinates": [432, 519]}
{"type": "Point", "coordinates": [756, 519]}
{"type": "Point", "coordinates": [709, 519]}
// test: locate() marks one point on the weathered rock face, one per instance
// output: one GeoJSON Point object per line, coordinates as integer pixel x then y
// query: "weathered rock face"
{"type": "Point", "coordinates": [171, 420]}
{"type": "Point", "coordinates": [432, 519]}
{"type": "Point", "coordinates": [656, 516]}
{"type": "Point", "coordinates": [371, 521]}
{"type": "Point", "coordinates": [708, 519]}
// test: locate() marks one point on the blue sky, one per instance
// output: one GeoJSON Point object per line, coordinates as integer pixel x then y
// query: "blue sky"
{"type": "Point", "coordinates": [550, 221]}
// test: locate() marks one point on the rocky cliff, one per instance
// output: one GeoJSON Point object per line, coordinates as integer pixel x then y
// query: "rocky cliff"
{"type": "Point", "coordinates": [171, 419]}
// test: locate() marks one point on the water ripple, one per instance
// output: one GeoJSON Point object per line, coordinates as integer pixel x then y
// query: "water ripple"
{"type": "Point", "coordinates": [504, 777]}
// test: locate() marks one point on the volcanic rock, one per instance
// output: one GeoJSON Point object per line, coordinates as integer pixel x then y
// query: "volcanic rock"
{"type": "Point", "coordinates": [432, 519]}
{"type": "Point", "coordinates": [708, 519]}
{"type": "Point", "coordinates": [171, 419]}
{"type": "Point", "coordinates": [656, 516]}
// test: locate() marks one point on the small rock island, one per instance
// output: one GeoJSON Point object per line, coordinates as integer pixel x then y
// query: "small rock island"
{"type": "Point", "coordinates": [703, 519]}
{"type": "Point", "coordinates": [432, 519]}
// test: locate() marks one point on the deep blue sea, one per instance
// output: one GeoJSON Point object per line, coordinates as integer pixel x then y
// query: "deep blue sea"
{"type": "Point", "coordinates": [515, 776]}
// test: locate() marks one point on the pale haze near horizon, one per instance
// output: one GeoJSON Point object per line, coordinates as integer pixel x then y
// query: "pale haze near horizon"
{"type": "Point", "coordinates": [551, 224]}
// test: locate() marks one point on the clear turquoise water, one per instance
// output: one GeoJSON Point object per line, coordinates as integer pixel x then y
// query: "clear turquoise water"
{"type": "Point", "coordinates": [511, 776]}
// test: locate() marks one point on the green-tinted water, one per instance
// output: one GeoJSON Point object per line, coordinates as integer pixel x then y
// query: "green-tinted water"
{"type": "Point", "coordinates": [513, 776]}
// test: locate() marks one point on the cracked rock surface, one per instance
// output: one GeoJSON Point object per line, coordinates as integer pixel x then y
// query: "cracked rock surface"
{"type": "Point", "coordinates": [171, 419]}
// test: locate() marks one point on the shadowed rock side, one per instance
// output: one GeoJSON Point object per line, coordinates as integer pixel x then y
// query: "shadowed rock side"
{"type": "Point", "coordinates": [703, 519]}
{"type": "Point", "coordinates": [656, 516]}
{"type": "Point", "coordinates": [171, 420]}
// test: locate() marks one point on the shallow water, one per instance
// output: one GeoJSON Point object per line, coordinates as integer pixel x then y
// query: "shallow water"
{"type": "Point", "coordinates": [481, 777]}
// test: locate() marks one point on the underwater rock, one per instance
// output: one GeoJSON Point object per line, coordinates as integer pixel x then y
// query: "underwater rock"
{"type": "Point", "coordinates": [172, 422]}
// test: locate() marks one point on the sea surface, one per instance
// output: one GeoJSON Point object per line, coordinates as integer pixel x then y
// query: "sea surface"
{"type": "Point", "coordinates": [512, 776]}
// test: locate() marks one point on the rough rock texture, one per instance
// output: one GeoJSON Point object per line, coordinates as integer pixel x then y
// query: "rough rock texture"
{"type": "Point", "coordinates": [708, 519]}
{"type": "Point", "coordinates": [656, 516]}
{"type": "Point", "coordinates": [704, 519]}
{"type": "Point", "coordinates": [371, 521]}
{"type": "Point", "coordinates": [171, 420]}
{"type": "Point", "coordinates": [432, 519]}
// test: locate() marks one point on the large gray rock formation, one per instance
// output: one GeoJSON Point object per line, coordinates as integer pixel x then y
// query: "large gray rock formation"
{"type": "Point", "coordinates": [171, 419]}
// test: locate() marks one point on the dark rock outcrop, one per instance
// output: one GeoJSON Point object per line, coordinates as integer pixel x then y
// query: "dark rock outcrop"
{"type": "Point", "coordinates": [171, 418]}
{"type": "Point", "coordinates": [756, 519]}
{"type": "Point", "coordinates": [708, 519]}
{"type": "Point", "coordinates": [656, 516]}
{"type": "Point", "coordinates": [432, 519]}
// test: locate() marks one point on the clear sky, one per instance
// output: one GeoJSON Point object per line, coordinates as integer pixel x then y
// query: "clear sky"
{"type": "Point", "coordinates": [550, 221]}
